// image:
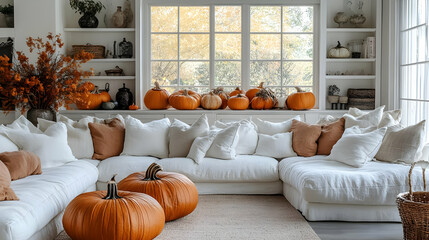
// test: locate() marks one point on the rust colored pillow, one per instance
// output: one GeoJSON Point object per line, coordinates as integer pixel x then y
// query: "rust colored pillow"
{"type": "Point", "coordinates": [331, 133]}
{"type": "Point", "coordinates": [304, 138]}
{"type": "Point", "coordinates": [6, 193]}
{"type": "Point", "coordinates": [21, 164]}
{"type": "Point", "coordinates": [107, 138]}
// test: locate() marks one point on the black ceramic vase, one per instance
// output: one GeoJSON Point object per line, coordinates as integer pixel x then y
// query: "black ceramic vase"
{"type": "Point", "coordinates": [124, 97]}
{"type": "Point", "coordinates": [47, 114]}
{"type": "Point", "coordinates": [88, 21]}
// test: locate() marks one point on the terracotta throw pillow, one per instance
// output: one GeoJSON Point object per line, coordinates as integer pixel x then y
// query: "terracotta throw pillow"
{"type": "Point", "coordinates": [21, 164]}
{"type": "Point", "coordinates": [331, 133]}
{"type": "Point", "coordinates": [107, 138]}
{"type": "Point", "coordinates": [6, 193]}
{"type": "Point", "coordinates": [304, 138]}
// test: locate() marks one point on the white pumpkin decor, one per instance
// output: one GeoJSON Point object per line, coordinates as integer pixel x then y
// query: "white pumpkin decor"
{"type": "Point", "coordinates": [281, 103]}
{"type": "Point", "coordinates": [339, 52]}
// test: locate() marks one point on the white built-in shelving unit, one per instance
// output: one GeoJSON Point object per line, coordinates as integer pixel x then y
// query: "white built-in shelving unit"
{"type": "Point", "coordinates": [366, 71]}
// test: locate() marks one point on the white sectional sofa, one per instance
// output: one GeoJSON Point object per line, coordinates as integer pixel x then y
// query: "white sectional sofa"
{"type": "Point", "coordinates": [321, 189]}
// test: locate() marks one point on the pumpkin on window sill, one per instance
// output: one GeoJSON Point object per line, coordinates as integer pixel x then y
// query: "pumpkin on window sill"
{"type": "Point", "coordinates": [223, 96]}
{"type": "Point", "coordinates": [301, 100]}
{"type": "Point", "coordinates": [211, 101]}
{"type": "Point", "coordinates": [238, 102]}
{"type": "Point", "coordinates": [133, 107]}
{"type": "Point", "coordinates": [185, 100]}
{"type": "Point", "coordinates": [251, 93]}
{"type": "Point", "coordinates": [156, 98]}
{"type": "Point", "coordinates": [263, 100]}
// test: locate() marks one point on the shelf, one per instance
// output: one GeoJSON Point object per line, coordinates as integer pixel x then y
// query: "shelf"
{"type": "Point", "coordinates": [350, 77]}
{"type": "Point", "coordinates": [351, 30]}
{"type": "Point", "coordinates": [98, 30]}
{"type": "Point", "coordinates": [111, 78]}
{"type": "Point", "coordinates": [113, 60]}
{"type": "Point", "coordinates": [7, 32]}
{"type": "Point", "coordinates": [350, 60]}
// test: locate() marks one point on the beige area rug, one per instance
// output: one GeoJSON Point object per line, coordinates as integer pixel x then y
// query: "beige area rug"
{"type": "Point", "coordinates": [238, 217]}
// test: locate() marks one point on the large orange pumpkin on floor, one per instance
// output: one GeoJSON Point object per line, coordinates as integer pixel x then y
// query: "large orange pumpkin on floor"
{"type": "Point", "coordinates": [238, 102]}
{"type": "Point", "coordinates": [113, 215]}
{"type": "Point", "coordinates": [251, 93]}
{"type": "Point", "coordinates": [175, 192]}
{"type": "Point", "coordinates": [156, 98]}
{"type": "Point", "coordinates": [185, 100]}
{"type": "Point", "coordinates": [236, 92]}
{"type": "Point", "coordinates": [223, 95]}
{"type": "Point", "coordinates": [263, 100]}
{"type": "Point", "coordinates": [92, 100]}
{"type": "Point", "coordinates": [301, 100]}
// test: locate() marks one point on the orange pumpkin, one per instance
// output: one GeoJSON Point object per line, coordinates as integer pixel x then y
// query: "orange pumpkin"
{"type": "Point", "coordinates": [133, 107]}
{"type": "Point", "coordinates": [115, 215]}
{"type": "Point", "coordinates": [92, 100]}
{"type": "Point", "coordinates": [262, 100]}
{"type": "Point", "coordinates": [251, 93]}
{"type": "Point", "coordinates": [238, 102]}
{"type": "Point", "coordinates": [211, 101]}
{"type": "Point", "coordinates": [185, 100]}
{"type": "Point", "coordinates": [236, 92]}
{"type": "Point", "coordinates": [301, 100]}
{"type": "Point", "coordinates": [156, 98]}
{"type": "Point", "coordinates": [175, 192]}
{"type": "Point", "coordinates": [223, 96]}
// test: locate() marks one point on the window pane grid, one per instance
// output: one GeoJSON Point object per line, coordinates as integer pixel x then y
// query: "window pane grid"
{"type": "Point", "coordinates": [197, 64]}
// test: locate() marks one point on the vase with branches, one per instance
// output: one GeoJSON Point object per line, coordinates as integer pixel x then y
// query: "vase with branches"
{"type": "Point", "coordinates": [53, 81]}
{"type": "Point", "coordinates": [88, 9]}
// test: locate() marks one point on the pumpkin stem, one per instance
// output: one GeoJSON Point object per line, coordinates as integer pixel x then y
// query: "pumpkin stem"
{"type": "Point", "coordinates": [240, 95]}
{"type": "Point", "coordinates": [338, 45]}
{"type": "Point", "coordinates": [263, 93]}
{"type": "Point", "coordinates": [238, 89]}
{"type": "Point", "coordinates": [298, 89]}
{"type": "Point", "coordinates": [157, 87]}
{"type": "Point", "coordinates": [112, 189]}
{"type": "Point", "coordinates": [261, 85]}
{"type": "Point", "coordinates": [151, 172]}
{"type": "Point", "coordinates": [185, 92]}
{"type": "Point", "coordinates": [218, 90]}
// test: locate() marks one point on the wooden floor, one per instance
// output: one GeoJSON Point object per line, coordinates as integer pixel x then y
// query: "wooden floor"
{"type": "Point", "coordinates": [357, 231]}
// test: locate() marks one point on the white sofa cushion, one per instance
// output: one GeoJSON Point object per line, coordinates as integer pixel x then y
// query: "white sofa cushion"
{"type": "Point", "coordinates": [245, 168]}
{"type": "Point", "coordinates": [248, 136]}
{"type": "Point", "coordinates": [51, 146]}
{"type": "Point", "coordinates": [277, 146]}
{"type": "Point", "coordinates": [224, 143]}
{"type": "Point", "coordinates": [146, 139]}
{"type": "Point", "coordinates": [356, 117]}
{"type": "Point", "coordinates": [199, 147]}
{"type": "Point", "coordinates": [356, 148]}
{"type": "Point", "coordinates": [6, 145]}
{"type": "Point", "coordinates": [23, 123]}
{"type": "Point", "coordinates": [271, 128]}
{"type": "Point", "coordinates": [78, 135]}
{"type": "Point", "coordinates": [322, 181]}
{"type": "Point", "coordinates": [403, 145]}
{"type": "Point", "coordinates": [182, 135]}
{"type": "Point", "coordinates": [390, 118]}
{"type": "Point", "coordinates": [123, 166]}
{"type": "Point", "coordinates": [43, 197]}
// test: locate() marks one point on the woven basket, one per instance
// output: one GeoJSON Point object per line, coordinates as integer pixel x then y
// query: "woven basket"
{"type": "Point", "coordinates": [97, 50]}
{"type": "Point", "coordinates": [414, 209]}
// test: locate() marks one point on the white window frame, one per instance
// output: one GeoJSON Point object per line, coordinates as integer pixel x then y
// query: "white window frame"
{"type": "Point", "coordinates": [145, 35]}
{"type": "Point", "coordinates": [401, 52]}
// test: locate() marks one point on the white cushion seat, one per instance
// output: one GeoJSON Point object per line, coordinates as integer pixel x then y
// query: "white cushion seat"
{"type": "Point", "coordinates": [123, 166]}
{"type": "Point", "coordinates": [325, 181]}
{"type": "Point", "coordinates": [244, 168]}
{"type": "Point", "coordinates": [43, 197]}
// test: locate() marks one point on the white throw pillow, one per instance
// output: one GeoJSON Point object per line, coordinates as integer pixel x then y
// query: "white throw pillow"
{"type": "Point", "coordinates": [247, 136]}
{"type": "Point", "coordinates": [403, 145]}
{"type": "Point", "coordinates": [370, 119]}
{"type": "Point", "coordinates": [355, 148]}
{"type": "Point", "coordinates": [224, 143]}
{"type": "Point", "coordinates": [326, 120]}
{"type": "Point", "coordinates": [199, 147]}
{"type": "Point", "coordinates": [146, 139]}
{"type": "Point", "coordinates": [51, 146]}
{"type": "Point", "coordinates": [271, 128]}
{"type": "Point", "coordinates": [277, 146]}
{"type": "Point", "coordinates": [78, 135]}
{"type": "Point", "coordinates": [23, 123]}
{"type": "Point", "coordinates": [390, 118]}
{"type": "Point", "coordinates": [6, 145]}
{"type": "Point", "coordinates": [182, 135]}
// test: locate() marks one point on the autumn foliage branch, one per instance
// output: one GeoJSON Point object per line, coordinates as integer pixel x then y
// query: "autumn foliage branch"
{"type": "Point", "coordinates": [54, 80]}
